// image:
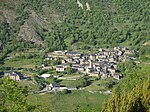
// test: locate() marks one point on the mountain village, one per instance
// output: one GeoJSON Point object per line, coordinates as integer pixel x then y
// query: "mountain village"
{"type": "Point", "coordinates": [102, 65]}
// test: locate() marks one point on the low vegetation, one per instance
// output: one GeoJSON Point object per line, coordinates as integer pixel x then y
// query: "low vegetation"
{"type": "Point", "coordinates": [73, 102]}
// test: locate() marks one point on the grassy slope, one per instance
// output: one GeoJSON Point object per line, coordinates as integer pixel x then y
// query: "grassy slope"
{"type": "Point", "coordinates": [99, 85]}
{"type": "Point", "coordinates": [68, 102]}
{"type": "Point", "coordinates": [134, 76]}
{"type": "Point", "coordinates": [31, 86]}
{"type": "Point", "coordinates": [23, 63]}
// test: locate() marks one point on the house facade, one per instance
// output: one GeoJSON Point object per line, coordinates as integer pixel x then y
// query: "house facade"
{"type": "Point", "coordinates": [13, 76]}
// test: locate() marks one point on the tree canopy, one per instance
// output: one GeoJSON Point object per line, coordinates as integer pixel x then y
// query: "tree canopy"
{"type": "Point", "coordinates": [13, 97]}
{"type": "Point", "coordinates": [137, 100]}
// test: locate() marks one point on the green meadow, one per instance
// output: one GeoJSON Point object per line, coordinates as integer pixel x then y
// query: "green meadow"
{"type": "Point", "coordinates": [77, 101]}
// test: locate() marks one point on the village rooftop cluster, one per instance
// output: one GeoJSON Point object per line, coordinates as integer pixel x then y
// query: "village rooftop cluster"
{"type": "Point", "coordinates": [102, 64]}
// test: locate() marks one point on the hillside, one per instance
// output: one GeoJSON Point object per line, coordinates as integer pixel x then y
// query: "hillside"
{"type": "Point", "coordinates": [61, 24]}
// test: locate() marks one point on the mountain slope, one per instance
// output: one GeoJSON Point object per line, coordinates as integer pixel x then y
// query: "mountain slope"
{"type": "Point", "coordinates": [61, 24]}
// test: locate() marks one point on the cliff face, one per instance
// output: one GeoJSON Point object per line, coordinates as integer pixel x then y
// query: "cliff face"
{"type": "Point", "coordinates": [28, 33]}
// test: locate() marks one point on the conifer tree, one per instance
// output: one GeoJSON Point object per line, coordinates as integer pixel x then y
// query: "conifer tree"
{"type": "Point", "coordinates": [137, 100]}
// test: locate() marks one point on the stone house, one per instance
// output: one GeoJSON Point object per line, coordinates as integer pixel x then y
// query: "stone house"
{"type": "Point", "coordinates": [93, 57]}
{"type": "Point", "coordinates": [112, 71]}
{"type": "Point", "coordinates": [66, 65]}
{"type": "Point", "coordinates": [81, 69]}
{"type": "Point", "coordinates": [13, 76]}
{"type": "Point", "coordinates": [60, 68]}
{"type": "Point", "coordinates": [89, 70]}
{"type": "Point", "coordinates": [111, 59]}
{"type": "Point", "coordinates": [72, 54]}
{"type": "Point", "coordinates": [60, 52]}
{"type": "Point", "coordinates": [76, 64]}
{"type": "Point", "coordinates": [69, 60]}
{"type": "Point", "coordinates": [117, 76]}
{"type": "Point", "coordinates": [63, 61]}
{"type": "Point", "coordinates": [103, 75]}
{"type": "Point", "coordinates": [52, 86]}
{"type": "Point", "coordinates": [94, 74]}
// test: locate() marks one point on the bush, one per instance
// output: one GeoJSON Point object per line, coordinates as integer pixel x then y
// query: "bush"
{"type": "Point", "coordinates": [65, 91]}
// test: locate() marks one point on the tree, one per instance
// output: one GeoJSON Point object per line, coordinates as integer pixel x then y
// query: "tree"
{"type": "Point", "coordinates": [82, 82]}
{"type": "Point", "coordinates": [50, 80]}
{"type": "Point", "coordinates": [69, 70]}
{"type": "Point", "coordinates": [12, 97]}
{"type": "Point", "coordinates": [137, 100]}
{"type": "Point", "coordinates": [65, 91]}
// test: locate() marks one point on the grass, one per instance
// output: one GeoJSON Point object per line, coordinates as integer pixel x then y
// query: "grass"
{"type": "Point", "coordinates": [72, 74]}
{"type": "Point", "coordinates": [132, 77]}
{"type": "Point", "coordinates": [78, 100]}
{"type": "Point", "coordinates": [100, 85]}
{"type": "Point", "coordinates": [22, 63]}
{"type": "Point", "coordinates": [69, 83]}
{"type": "Point", "coordinates": [31, 86]}
{"type": "Point", "coordinates": [20, 60]}
{"type": "Point", "coordinates": [95, 86]}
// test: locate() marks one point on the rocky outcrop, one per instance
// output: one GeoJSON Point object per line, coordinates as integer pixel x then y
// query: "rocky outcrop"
{"type": "Point", "coordinates": [29, 33]}
{"type": "Point", "coordinates": [1, 44]}
{"type": "Point", "coordinates": [2, 18]}
{"type": "Point", "coordinates": [7, 16]}
{"type": "Point", "coordinates": [146, 44]}
{"type": "Point", "coordinates": [37, 20]}
{"type": "Point", "coordinates": [88, 6]}
{"type": "Point", "coordinates": [79, 4]}
{"type": "Point", "coordinates": [10, 16]}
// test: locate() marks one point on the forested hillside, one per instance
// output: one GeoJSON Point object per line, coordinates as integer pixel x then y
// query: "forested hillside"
{"type": "Point", "coordinates": [61, 24]}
